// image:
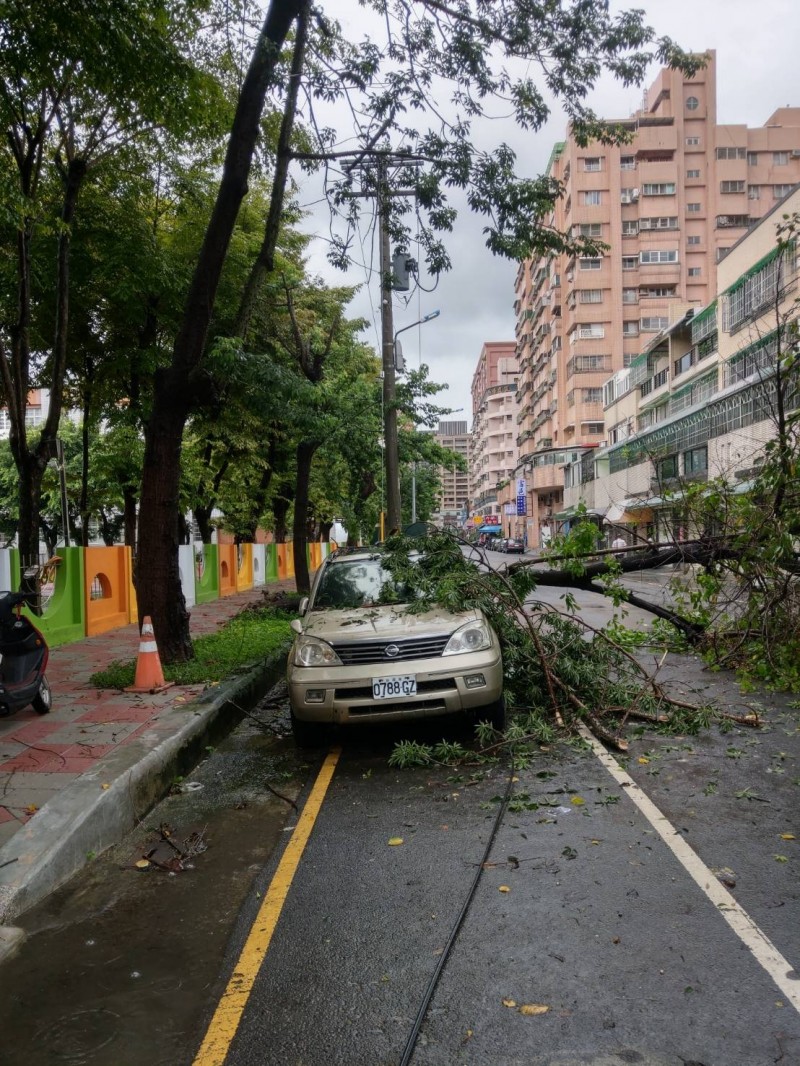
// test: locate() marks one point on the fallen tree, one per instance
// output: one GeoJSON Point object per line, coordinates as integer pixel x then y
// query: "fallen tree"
{"type": "Point", "coordinates": [561, 672]}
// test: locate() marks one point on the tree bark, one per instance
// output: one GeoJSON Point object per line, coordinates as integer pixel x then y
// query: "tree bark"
{"type": "Point", "coordinates": [305, 456]}
{"type": "Point", "coordinates": [158, 582]}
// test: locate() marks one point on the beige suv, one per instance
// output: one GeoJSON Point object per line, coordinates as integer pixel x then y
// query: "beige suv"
{"type": "Point", "coordinates": [360, 656]}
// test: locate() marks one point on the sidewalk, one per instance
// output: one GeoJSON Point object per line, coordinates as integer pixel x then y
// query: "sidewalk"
{"type": "Point", "coordinates": [74, 780]}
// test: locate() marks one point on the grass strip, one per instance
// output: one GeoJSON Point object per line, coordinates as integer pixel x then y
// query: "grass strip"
{"type": "Point", "coordinates": [255, 634]}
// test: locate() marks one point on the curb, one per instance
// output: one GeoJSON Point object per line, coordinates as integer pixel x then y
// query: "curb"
{"type": "Point", "coordinates": [102, 805]}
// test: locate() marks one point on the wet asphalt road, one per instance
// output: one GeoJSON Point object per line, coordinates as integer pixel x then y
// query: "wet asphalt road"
{"type": "Point", "coordinates": [600, 923]}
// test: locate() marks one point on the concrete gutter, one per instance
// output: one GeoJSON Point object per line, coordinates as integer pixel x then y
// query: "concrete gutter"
{"type": "Point", "coordinates": [102, 805]}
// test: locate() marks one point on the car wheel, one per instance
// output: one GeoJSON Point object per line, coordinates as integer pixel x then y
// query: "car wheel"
{"type": "Point", "coordinates": [494, 714]}
{"type": "Point", "coordinates": [307, 734]}
{"type": "Point", "coordinates": [42, 702]}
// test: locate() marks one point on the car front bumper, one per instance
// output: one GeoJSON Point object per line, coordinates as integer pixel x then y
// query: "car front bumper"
{"type": "Point", "coordinates": [343, 694]}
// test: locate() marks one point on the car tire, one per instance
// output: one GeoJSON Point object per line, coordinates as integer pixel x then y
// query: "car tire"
{"type": "Point", "coordinates": [493, 713]}
{"type": "Point", "coordinates": [42, 702]}
{"type": "Point", "coordinates": [307, 734]}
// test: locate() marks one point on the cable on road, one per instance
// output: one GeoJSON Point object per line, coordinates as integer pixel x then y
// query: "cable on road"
{"type": "Point", "coordinates": [427, 995]}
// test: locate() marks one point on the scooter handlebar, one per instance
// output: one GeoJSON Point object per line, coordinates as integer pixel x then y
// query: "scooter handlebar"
{"type": "Point", "coordinates": [8, 601]}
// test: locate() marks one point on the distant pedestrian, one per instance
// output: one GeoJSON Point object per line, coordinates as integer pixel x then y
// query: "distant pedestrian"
{"type": "Point", "coordinates": [619, 542]}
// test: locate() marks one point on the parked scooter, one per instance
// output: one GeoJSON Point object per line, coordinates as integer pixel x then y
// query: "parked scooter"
{"type": "Point", "coordinates": [23, 659]}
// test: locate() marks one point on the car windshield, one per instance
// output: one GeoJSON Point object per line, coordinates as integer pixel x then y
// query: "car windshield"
{"type": "Point", "coordinates": [360, 582]}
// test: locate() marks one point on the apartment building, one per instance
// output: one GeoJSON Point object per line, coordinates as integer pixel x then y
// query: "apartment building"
{"type": "Point", "coordinates": [35, 412]}
{"type": "Point", "coordinates": [494, 449]}
{"type": "Point", "coordinates": [454, 492]}
{"type": "Point", "coordinates": [667, 206]}
{"type": "Point", "coordinates": [699, 402]}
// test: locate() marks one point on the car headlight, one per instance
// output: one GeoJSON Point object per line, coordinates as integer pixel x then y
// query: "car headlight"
{"type": "Point", "coordinates": [474, 636]}
{"type": "Point", "coordinates": [311, 651]}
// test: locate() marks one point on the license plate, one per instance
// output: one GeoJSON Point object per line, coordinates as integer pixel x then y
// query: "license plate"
{"type": "Point", "coordinates": [387, 688]}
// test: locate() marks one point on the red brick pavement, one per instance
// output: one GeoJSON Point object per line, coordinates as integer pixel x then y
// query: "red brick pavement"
{"type": "Point", "coordinates": [40, 755]}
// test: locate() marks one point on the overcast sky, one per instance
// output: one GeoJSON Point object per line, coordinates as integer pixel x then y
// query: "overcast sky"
{"type": "Point", "coordinates": [757, 72]}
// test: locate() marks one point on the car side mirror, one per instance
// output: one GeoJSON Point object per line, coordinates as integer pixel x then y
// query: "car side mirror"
{"type": "Point", "coordinates": [296, 625]}
{"type": "Point", "coordinates": [303, 605]}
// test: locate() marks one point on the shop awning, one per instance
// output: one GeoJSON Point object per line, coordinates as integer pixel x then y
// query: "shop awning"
{"type": "Point", "coordinates": [489, 529]}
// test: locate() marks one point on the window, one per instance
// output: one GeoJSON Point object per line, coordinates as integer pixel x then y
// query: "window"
{"type": "Point", "coordinates": [593, 427]}
{"type": "Point", "coordinates": [667, 467]}
{"type": "Point", "coordinates": [33, 416]}
{"type": "Point", "coordinates": [660, 188]}
{"type": "Point", "coordinates": [751, 293]}
{"type": "Point", "coordinates": [591, 331]}
{"type": "Point", "coordinates": [590, 296]}
{"type": "Point", "coordinates": [590, 263]}
{"type": "Point", "coordinates": [693, 240]}
{"type": "Point", "coordinates": [695, 461]}
{"type": "Point", "coordinates": [732, 221]}
{"type": "Point", "coordinates": [662, 222]}
{"type": "Point", "coordinates": [692, 142]}
{"type": "Point", "coordinates": [779, 191]}
{"type": "Point", "coordinates": [680, 366]}
{"type": "Point", "coordinates": [593, 395]}
{"type": "Point", "coordinates": [654, 323]}
{"type": "Point", "coordinates": [630, 262]}
{"type": "Point", "coordinates": [630, 296]}
{"type": "Point", "coordinates": [694, 272]}
{"type": "Point", "coordinates": [627, 162]}
{"type": "Point", "coordinates": [630, 229]}
{"type": "Point", "coordinates": [721, 253]}
{"type": "Point", "coordinates": [754, 192]}
{"type": "Point", "coordinates": [752, 159]}
{"type": "Point", "coordinates": [657, 292]}
{"type": "Point", "coordinates": [692, 173]}
{"type": "Point", "coordinates": [694, 209]}
{"type": "Point", "coordinates": [731, 186]}
{"type": "Point", "coordinates": [588, 229]}
{"type": "Point", "coordinates": [780, 159]}
{"type": "Point", "coordinates": [692, 103]}
{"type": "Point", "coordinates": [656, 255]}
{"type": "Point", "coordinates": [731, 153]}
{"type": "Point", "coordinates": [591, 197]}
{"type": "Point", "coordinates": [592, 163]}
{"type": "Point", "coordinates": [630, 329]}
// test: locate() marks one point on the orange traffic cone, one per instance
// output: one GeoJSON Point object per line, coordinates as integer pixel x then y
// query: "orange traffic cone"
{"type": "Point", "coordinates": [149, 675]}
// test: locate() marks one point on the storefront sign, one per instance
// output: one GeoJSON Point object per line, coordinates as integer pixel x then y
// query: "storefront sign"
{"type": "Point", "coordinates": [522, 496]}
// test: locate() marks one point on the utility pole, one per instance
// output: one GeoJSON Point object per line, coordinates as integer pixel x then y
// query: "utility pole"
{"type": "Point", "coordinates": [391, 447]}
{"type": "Point", "coordinates": [379, 163]}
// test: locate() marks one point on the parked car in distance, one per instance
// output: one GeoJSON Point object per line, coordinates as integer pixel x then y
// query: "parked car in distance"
{"type": "Point", "coordinates": [513, 544]}
{"type": "Point", "coordinates": [360, 655]}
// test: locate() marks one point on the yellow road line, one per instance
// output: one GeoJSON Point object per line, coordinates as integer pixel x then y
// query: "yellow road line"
{"type": "Point", "coordinates": [230, 1008]}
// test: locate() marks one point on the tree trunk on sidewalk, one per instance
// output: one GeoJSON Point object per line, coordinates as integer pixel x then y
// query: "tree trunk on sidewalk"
{"type": "Point", "coordinates": [158, 582]}
{"type": "Point", "coordinates": [305, 455]}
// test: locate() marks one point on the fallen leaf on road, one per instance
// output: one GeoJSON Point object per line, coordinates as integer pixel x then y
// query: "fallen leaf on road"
{"type": "Point", "coordinates": [394, 841]}
{"type": "Point", "coordinates": [643, 759]}
{"type": "Point", "coordinates": [787, 836]}
{"type": "Point", "coordinates": [142, 864]}
{"type": "Point", "coordinates": [577, 801]}
{"type": "Point", "coordinates": [31, 808]}
{"type": "Point", "coordinates": [780, 858]}
{"type": "Point", "coordinates": [504, 888]}
{"type": "Point", "coordinates": [509, 1003]}
{"type": "Point", "coordinates": [534, 1008]}
{"type": "Point", "coordinates": [105, 786]}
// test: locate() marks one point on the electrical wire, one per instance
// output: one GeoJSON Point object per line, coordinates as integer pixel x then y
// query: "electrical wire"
{"type": "Point", "coordinates": [427, 995]}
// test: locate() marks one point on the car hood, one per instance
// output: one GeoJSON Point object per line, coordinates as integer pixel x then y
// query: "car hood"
{"type": "Point", "coordinates": [389, 622]}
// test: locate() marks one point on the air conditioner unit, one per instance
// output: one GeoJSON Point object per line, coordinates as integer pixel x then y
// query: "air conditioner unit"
{"type": "Point", "coordinates": [795, 153]}
{"type": "Point", "coordinates": [570, 277]}
{"type": "Point", "coordinates": [634, 194]}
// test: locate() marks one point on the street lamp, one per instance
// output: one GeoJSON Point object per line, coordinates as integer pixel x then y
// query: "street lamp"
{"type": "Point", "coordinates": [399, 363]}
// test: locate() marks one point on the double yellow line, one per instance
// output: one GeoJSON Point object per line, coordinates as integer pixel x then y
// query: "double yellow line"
{"type": "Point", "coordinates": [230, 1008]}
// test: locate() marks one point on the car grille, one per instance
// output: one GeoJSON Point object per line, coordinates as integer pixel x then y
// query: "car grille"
{"type": "Point", "coordinates": [430, 706]}
{"type": "Point", "coordinates": [356, 652]}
